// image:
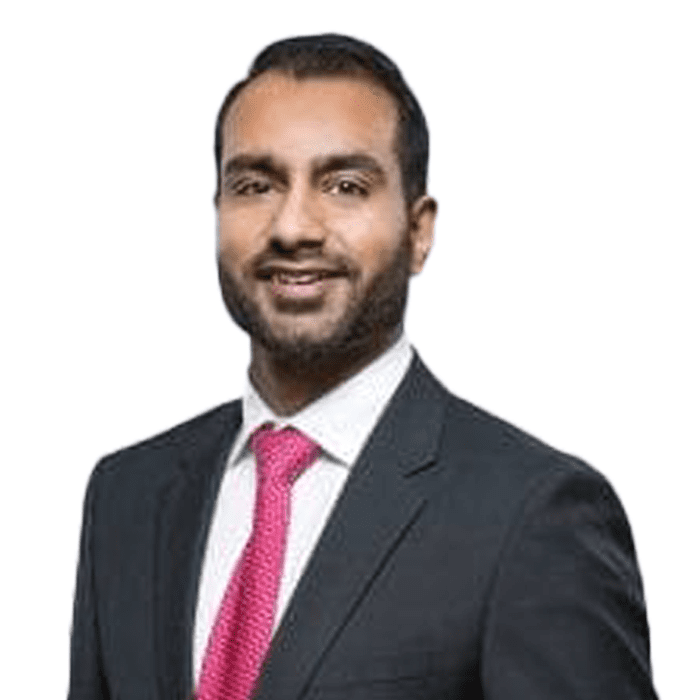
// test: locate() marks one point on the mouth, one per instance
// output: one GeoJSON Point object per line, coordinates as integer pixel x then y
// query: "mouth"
{"type": "Point", "coordinates": [297, 275]}
{"type": "Point", "coordinates": [306, 283]}
{"type": "Point", "coordinates": [309, 277]}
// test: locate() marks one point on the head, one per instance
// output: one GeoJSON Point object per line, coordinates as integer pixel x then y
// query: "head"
{"type": "Point", "coordinates": [333, 56]}
{"type": "Point", "coordinates": [321, 203]}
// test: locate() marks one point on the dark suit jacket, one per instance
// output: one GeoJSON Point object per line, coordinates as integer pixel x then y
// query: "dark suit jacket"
{"type": "Point", "coordinates": [464, 559]}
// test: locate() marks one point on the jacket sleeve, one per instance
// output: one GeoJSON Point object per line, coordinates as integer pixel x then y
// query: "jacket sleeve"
{"type": "Point", "coordinates": [567, 617]}
{"type": "Point", "coordinates": [87, 681]}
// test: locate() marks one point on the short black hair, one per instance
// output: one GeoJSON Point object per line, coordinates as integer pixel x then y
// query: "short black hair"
{"type": "Point", "coordinates": [329, 55]}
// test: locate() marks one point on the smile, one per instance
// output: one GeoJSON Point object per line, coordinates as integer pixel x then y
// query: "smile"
{"type": "Point", "coordinates": [298, 277]}
{"type": "Point", "coordinates": [305, 285]}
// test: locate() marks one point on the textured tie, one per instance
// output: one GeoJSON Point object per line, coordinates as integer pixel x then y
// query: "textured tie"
{"type": "Point", "coordinates": [242, 631]}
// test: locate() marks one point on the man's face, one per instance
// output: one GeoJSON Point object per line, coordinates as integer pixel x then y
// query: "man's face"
{"type": "Point", "coordinates": [316, 243]}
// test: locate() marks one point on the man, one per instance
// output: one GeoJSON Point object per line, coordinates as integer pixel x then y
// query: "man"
{"type": "Point", "coordinates": [349, 529]}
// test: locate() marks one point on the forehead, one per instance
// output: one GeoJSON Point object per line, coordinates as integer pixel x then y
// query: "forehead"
{"type": "Point", "coordinates": [279, 114]}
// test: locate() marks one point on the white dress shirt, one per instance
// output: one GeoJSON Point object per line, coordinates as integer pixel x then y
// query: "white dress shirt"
{"type": "Point", "coordinates": [340, 422]}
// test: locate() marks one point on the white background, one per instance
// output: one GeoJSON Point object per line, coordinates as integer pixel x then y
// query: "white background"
{"type": "Point", "coordinates": [562, 292]}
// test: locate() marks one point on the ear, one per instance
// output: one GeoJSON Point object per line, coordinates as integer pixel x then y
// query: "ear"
{"type": "Point", "coordinates": [422, 224]}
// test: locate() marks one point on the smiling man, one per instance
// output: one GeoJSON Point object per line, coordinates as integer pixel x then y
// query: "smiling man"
{"type": "Point", "coordinates": [316, 238]}
{"type": "Point", "coordinates": [349, 529]}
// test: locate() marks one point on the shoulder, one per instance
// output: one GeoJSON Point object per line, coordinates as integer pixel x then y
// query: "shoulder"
{"type": "Point", "coordinates": [541, 504]}
{"type": "Point", "coordinates": [497, 444]}
{"type": "Point", "coordinates": [190, 444]}
{"type": "Point", "coordinates": [472, 438]}
{"type": "Point", "coordinates": [564, 578]}
{"type": "Point", "coordinates": [505, 470]}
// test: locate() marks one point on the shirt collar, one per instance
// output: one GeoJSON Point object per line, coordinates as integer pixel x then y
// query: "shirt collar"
{"type": "Point", "coordinates": [340, 421]}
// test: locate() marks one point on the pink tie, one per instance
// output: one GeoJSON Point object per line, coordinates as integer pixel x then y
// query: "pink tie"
{"type": "Point", "coordinates": [241, 634]}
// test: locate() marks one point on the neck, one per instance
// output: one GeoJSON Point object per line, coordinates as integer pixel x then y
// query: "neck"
{"type": "Point", "coordinates": [288, 386]}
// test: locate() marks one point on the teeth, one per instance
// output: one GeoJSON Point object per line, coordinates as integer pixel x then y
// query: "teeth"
{"type": "Point", "coordinates": [297, 277]}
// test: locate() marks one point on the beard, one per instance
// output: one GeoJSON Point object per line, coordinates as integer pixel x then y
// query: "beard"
{"type": "Point", "coordinates": [365, 325]}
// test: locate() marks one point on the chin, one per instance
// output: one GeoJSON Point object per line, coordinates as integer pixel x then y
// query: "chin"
{"type": "Point", "coordinates": [304, 353]}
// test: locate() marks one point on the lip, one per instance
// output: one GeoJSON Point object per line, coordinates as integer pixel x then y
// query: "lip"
{"type": "Point", "coordinates": [308, 288]}
{"type": "Point", "coordinates": [268, 272]}
{"type": "Point", "coordinates": [299, 283]}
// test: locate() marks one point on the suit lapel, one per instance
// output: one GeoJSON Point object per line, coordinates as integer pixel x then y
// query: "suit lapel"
{"type": "Point", "coordinates": [186, 505]}
{"type": "Point", "coordinates": [382, 498]}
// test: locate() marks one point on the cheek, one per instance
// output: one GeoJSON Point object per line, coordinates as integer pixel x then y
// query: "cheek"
{"type": "Point", "coordinates": [372, 239]}
{"type": "Point", "coordinates": [238, 234]}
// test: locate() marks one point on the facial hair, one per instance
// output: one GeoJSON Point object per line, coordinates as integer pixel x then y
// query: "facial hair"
{"type": "Point", "coordinates": [363, 327]}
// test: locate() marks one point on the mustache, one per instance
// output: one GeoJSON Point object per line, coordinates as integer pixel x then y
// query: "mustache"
{"type": "Point", "coordinates": [268, 261]}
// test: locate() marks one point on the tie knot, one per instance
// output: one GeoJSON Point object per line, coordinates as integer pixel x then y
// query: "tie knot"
{"type": "Point", "coordinates": [281, 455]}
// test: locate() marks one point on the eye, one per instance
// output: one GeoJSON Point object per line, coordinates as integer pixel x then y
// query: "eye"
{"type": "Point", "coordinates": [247, 187]}
{"type": "Point", "coordinates": [349, 187]}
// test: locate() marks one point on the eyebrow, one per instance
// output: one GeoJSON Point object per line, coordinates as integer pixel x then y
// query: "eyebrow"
{"type": "Point", "coordinates": [320, 167]}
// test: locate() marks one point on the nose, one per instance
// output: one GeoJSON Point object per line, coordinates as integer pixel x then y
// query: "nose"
{"type": "Point", "coordinates": [297, 221]}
